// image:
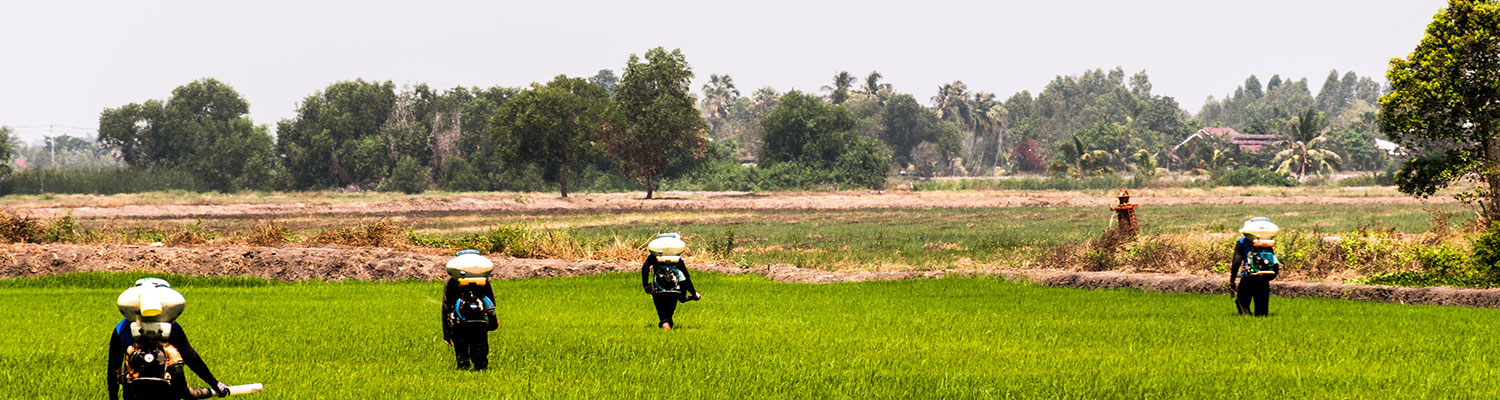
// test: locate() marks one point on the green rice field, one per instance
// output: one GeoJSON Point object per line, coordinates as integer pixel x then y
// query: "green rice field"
{"type": "Point", "coordinates": [593, 337]}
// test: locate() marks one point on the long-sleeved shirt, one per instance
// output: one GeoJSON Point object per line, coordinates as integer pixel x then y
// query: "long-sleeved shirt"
{"type": "Point", "coordinates": [120, 339]}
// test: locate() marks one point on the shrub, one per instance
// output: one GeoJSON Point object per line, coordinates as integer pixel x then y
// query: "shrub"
{"type": "Point", "coordinates": [722, 245]}
{"type": "Point", "coordinates": [1253, 177]}
{"type": "Point", "coordinates": [1486, 257]}
{"type": "Point", "coordinates": [408, 177]}
{"type": "Point", "coordinates": [60, 230]}
{"type": "Point", "coordinates": [99, 181]}
{"type": "Point", "coordinates": [1026, 158]}
{"type": "Point", "coordinates": [865, 163]}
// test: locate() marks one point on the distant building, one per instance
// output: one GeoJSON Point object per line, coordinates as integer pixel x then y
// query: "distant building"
{"type": "Point", "coordinates": [748, 161]}
{"type": "Point", "coordinates": [1246, 143]}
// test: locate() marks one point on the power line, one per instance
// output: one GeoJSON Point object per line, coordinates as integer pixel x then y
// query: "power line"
{"type": "Point", "coordinates": [50, 127]}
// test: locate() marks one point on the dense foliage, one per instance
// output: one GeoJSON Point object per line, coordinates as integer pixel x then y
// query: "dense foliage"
{"type": "Point", "coordinates": [645, 129]}
{"type": "Point", "coordinates": [1444, 105]}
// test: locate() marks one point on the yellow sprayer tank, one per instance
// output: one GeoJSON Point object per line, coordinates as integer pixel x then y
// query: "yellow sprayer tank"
{"type": "Point", "coordinates": [1261, 231]}
{"type": "Point", "coordinates": [470, 266]}
{"type": "Point", "coordinates": [151, 306]}
{"type": "Point", "coordinates": [667, 247]}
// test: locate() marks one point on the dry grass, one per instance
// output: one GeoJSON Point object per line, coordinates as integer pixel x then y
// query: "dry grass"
{"type": "Point", "coordinates": [271, 233]}
{"type": "Point", "coordinates": [380, 233]}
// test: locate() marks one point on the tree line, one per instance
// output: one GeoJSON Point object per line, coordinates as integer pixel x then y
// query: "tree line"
{"type": "Point", "coordinates": [648, 127]}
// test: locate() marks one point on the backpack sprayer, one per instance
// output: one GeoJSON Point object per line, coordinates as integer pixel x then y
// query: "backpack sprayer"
{"type": "Point", "coordinates": [151, 306]}
{"type": "Point", "coordinates": [472, 270]}
{"type": "Point", "coordinates": [1262, 258]}
{"type": "Point", "coordinates": [668, 249]}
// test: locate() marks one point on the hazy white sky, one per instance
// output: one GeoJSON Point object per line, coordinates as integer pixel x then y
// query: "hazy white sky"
{"type": "Point", "coordinates": [62, 62]}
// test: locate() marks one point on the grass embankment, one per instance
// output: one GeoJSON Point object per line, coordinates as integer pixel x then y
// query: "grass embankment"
{"type": "Point", "coordinates": [592, 337]}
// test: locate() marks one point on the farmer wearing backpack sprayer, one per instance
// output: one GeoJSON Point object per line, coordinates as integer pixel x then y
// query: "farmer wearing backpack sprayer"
{"type": "Point", "coordinates": [665, 277]}
{"type": "Point", "coordinates": [1255, 265]}
{"type": "Point", "coordinates": [148, 349]}
{"type": "Point", "coordinates": [469, 309]}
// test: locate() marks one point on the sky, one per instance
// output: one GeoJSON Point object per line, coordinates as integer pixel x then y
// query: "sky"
{"type": "Point", "coordinates": [63, 62]}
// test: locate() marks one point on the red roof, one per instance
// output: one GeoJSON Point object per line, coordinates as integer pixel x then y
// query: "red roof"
{"type": "Point", "coordinates": [1221, 131]}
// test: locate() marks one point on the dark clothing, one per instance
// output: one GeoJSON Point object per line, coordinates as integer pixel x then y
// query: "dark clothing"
{"type": "Point", "coordinates": [666, 302]}
{"type": "Point", "coordinates": [470, 340]}
{"type": "Point", "coordinates": [666, 305]}
{"type": "Point", "coordinates": [471, 346]}
{"type": "Point", "coordinates": [120, 340]}
{"type": "Point", "coordinates": [687, 278]}
{"type": "Point", "coordinates": [1255, 288]}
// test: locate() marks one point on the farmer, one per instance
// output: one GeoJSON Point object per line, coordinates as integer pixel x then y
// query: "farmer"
{"type": "Point", "coordinates": [148, 349]}
{"type": "Point", "coordinates": [665, 277]}
{"type": "Point", "coordinates": [1255, 265]}
{"type": "Point", "coordinates": [469, 309]}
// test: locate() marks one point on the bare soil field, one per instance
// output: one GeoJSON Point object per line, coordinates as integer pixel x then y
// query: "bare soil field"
{"type": "Point", "coordinates": [368, 264]}
{"type": "Point", "coordinates": [696, 201]}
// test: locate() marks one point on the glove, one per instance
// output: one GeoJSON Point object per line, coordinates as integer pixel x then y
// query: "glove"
{"type": "Point", "coordinates": [221, 390]}
{"type": "Point", "coordinates": [697, 296]}
{"type": "Point", "coordinates": [647, 288]}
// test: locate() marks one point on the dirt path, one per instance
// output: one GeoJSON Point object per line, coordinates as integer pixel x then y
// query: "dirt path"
{"type": "Point", "coordinates": [696, 201]}
{"type": "Point", "coordinates": [298, 263]}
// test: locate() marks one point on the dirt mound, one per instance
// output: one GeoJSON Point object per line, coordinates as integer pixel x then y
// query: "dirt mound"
{"type": "Point", "coordinates": [303, 263]}
{"type": "Point", "coordinates": [278, 263]}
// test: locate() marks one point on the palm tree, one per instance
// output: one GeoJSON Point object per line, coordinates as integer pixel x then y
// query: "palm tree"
{"type": "Point", "coordinates": [952, 103]}
{"type": "Point", "coordinates": [984, 120]}
{"type": "Point", "coordinates": [1218, 160]}
{"type": "Point", "coordinates": [839, 92]}
{"type": "Point", "coordinates": [999, 114]}
{"type": "Point", "coordinates": [1304, 146]}
{"type": "Point", "coordinates": [874, 88]}
{"type": "Point", "coordinates": [718, 95]}
{"type": "Point", "coordinates": [763, 101]}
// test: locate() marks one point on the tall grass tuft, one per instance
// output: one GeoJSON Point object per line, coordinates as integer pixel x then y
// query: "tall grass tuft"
{"type": "Point", "coordinates": [380, 233]}
{"type": "Point", "coordinates": [271, 234]}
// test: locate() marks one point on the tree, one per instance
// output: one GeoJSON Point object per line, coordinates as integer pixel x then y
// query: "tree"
{"type": "Point", "coordinates": [804, 129]}
{"type": "Point", "coordinates": [553, 128]}
{"type": "Point", "coordinates": [473, 163]}
{"type": "Point", "coordinates": [988, 113]}
{"type": "Point", "coordinates": [719, 95]}
{"type": "Point", "coordinates": [656, 119]}
{"type": "Point", "coordinates": [1305, 145]}
{"type": "Point", "coordinates": [1026, 158]}
{"type": "Point", "coordinates": [952, 103]}
{"type": "Point", "coordinates": [839, 91]}
{"type": "Point", "coordinates": [1442, 107]}
{"type": "Point", "coordinates": [407, 177]}
{"type": "Point", "coordinates": [906, 124]}
{"type": "Point", "coordinates": [1252, 87]}
{"type": "Point", "coordinates": [335, 138]}
{"type": "Point", "coordinates": [203, 128]}
{"type": "Point", "coordinates": [6, 150]}
{"type": "Point", "coordinates": [606, 79]}
{"type": "Point", "coordinates": [874, 88]}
